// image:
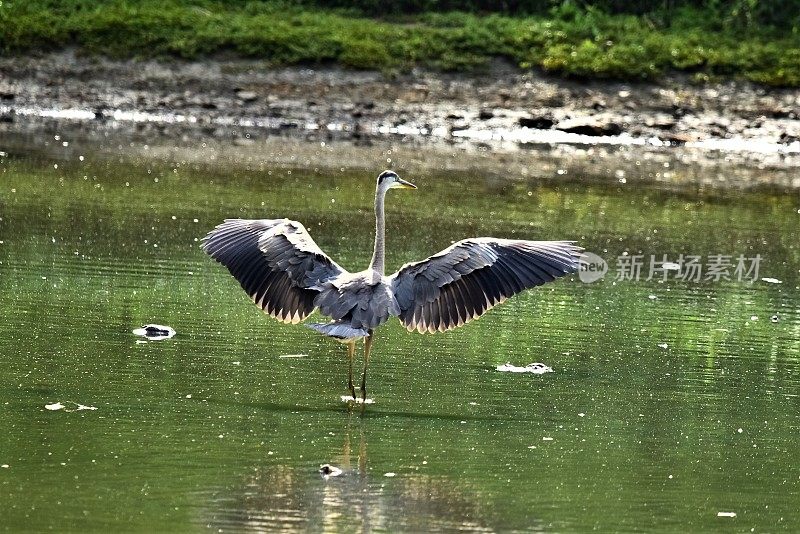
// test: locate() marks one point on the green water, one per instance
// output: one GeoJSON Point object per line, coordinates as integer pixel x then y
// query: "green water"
{"type": "Point", "coordinates": [669, 402]}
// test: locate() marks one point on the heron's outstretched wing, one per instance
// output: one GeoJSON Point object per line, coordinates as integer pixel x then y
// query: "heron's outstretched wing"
{"type": "Point", "coordinates": [276, 262]}
{"type": "Point", "coordinates": [460, 283]}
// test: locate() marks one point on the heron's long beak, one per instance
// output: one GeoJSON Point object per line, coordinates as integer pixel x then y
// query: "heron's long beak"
{"type": "Point", "coordinates": [402, 184]}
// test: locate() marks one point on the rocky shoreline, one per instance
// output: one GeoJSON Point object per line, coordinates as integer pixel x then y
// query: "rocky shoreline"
{"type": "Point", "coordinates": [503, 110]}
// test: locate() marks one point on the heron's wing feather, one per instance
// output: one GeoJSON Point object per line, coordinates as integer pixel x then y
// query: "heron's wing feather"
{"type": "Point", "coordinates": [460, 283]}
{"type": "Point", "coordinates": [275, 261]}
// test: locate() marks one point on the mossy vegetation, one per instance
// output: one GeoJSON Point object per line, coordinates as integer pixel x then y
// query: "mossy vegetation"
{"type": "Point", "coordinates": [570, 40]}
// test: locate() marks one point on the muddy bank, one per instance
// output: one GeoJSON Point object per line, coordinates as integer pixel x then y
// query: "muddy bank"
{"type": "Point", "coordinates": [504, 112]}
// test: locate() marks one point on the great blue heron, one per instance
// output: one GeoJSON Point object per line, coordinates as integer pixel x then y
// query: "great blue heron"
{"type": "Point", "coordinates": [288, 276]}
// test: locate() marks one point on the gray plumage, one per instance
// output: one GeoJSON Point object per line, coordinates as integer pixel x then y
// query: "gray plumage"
{"type": "Point", "coordinates": [287, 275]}
{"type": "Point", "coordinates": [465, 280]}
{"type": "Point", "coordinates": [275, 261]}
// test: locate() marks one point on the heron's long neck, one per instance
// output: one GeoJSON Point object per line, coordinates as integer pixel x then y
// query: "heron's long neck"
{"type": "Point", "coordinates": [380, 234]}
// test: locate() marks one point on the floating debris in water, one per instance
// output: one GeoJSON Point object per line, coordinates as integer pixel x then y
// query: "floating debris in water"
{"type": "Point", "coordinates": [293, 356]}
{"type": "Point", "coordinates": [726, 514]}
{"type": "Point", "coordinates": [328, 470]}
{"type": "Point", "coordinates": [535, 368]}
{"type": "Point", "coordinates": [774, 318]}
{"type": "Point", "coordinates": [771, 280]}
{"type": "Point", "coordinates": [652, 297]}
{"type": "Point", "coordinates": [754, 317]}
{"type": "Point", "coordinates": [663, 345]}
{"type": "Point", "coordinates": [359, 400]}
{"type": "Point", "coordinates": [390, 474]}
{"type": "Point", "coordinates": [59, 406]}
{"type": "Point", "coordinates": [155, 332]}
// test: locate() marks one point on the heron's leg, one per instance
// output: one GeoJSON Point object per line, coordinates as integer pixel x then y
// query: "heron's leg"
{"type": "Point", "coordinates": [367, 349]}
{"type": "Point", "coordinates": [351, 350]}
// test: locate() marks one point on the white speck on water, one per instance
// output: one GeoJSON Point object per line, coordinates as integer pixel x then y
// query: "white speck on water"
{"type": "Point", "coordinates": [775, 319]}
{"type": "Point", "coordinates": [237, 363]}
{"type": "Point", "coordinates": [535, 368]}
{"type": "Point", "coordinates": [670, 477]}
{"type": "Point", "coordinates": [195, 220]}
{"type": "Point", "coordinates": [189, 396]}
{"type": "Point", "coordinates": [81, 158]}
{"type": "Point", "coordinates": [5, 466]}
{"type": "Point", "coordinates": [390, 474]}
{"type": "Point", "coordinates": [663, 345]}
{"type": "Point", "coordinates": [771, 280]}
{"type": "Point", "coordinates": [581, 414]}
{"type": "Point", "coordinates": [726, 514]}
{"type": "Point", "coordinates": [59, 406]}
{"type": "Point", "coordinates": [155, 332]}
{"type": "Point", "coordinates": [221, 436]}
{"type": "Point", "coordinates": [652, 297]}
{"type": "Point", "coordinates": [65, 143]}
{"type": "Point", "coordinates": [739, 430]}
{"type": "Point", "coordinates": [547, 438]}
{"type": "Point", "coordinates": [754, 317]}
{"type": "Point", "coordinates": [293, 356]}
{"type": "Point", "coordinates": [328, 471]}
{"type": "Point", "coordinates": [349, 399]}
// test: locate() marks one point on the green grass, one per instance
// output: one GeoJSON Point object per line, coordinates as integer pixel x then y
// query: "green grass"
{"type": "Point", "coordinates": [567, 42]}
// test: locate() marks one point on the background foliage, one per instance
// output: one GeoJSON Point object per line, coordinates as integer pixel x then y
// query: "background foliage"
{"type": "Point", "coordinates": [619, 39]}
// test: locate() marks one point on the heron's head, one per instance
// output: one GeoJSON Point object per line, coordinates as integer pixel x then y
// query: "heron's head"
{"type": "Point", "coordinates": [389, 180]}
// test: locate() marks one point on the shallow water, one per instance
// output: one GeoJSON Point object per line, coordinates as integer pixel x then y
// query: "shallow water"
{"type": "Point", "coordinates": [670, 402]}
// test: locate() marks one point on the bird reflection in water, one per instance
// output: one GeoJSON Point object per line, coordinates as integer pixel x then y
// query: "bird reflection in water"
{"type": "Point", "coordinates": [289, 498]}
